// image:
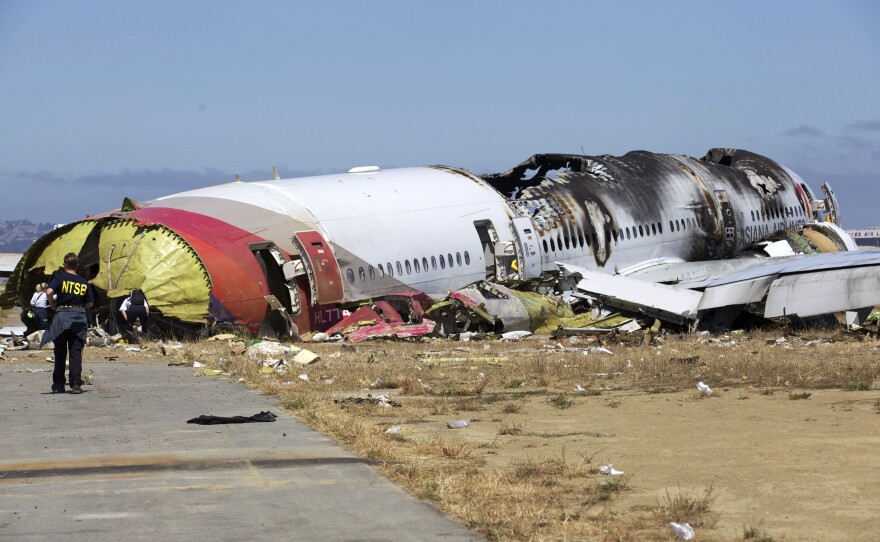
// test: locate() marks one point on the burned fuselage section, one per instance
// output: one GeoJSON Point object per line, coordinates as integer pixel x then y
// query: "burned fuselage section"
{"type": "Point", "coordinates": [606, 212]}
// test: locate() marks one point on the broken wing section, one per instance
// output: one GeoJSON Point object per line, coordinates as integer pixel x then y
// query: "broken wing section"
{"type": "Point", "coordinates": [798, 286]}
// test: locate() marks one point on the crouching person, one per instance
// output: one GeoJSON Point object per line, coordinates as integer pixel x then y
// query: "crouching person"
{"type": "Point", "coordinates": [135, 308]}
{"type": "Point", "coordinates": [70, 295]}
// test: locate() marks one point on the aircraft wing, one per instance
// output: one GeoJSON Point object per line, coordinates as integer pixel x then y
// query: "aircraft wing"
{"type": "Point", "coordinates": [804, 286]}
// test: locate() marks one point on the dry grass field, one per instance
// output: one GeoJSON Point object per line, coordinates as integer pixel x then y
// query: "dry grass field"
{"type": "Point", "coordinates": [785, 448]}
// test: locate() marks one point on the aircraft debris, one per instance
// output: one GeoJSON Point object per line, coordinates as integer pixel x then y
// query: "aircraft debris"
{"type": "Point", "coordinates": [694, 242]}
{"type": "Point", "coordinates": [382, 319]}
{"type": "Point", "coordinates": [382, 401]}
{"type": "Point", "coordinates": [393, 430]}
{"type": "Point", "coordinates": [206, 419]}
{"type": "Point", "coordinates": [458, 424]}
{"type": "Point", "coordinates": [610, 470]}
{"type": "Point", "coordinates": [704, 389]}
{"type": "Point", "coordinates": [682, 531]}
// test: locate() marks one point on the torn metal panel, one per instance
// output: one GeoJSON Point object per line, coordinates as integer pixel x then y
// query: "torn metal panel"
{"type": "Point", "coordinates": [662, 301]}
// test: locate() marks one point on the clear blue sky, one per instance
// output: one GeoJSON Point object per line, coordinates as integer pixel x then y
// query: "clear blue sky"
{"type": "Point", "coordinates": [101, 100]}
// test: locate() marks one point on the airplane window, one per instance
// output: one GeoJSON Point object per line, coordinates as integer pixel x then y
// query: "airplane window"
{"type": "Point", "coordinates": [671, 226]}
{"type": "Point", "coordinates": [399, 269]}
{"type": "Point", "coordinates": [580, 238]}
{"type": "Point", "coordinates": [408, 267]}
{"type": "Point", "coordinates": [653, 229]}
{"type": "Point", "coordinates": [433, 263]}
{"type": "Point", "coordinates": [546, 250]}
{"type": "Point", "coordinates": [362, 274]}
{"type": "Point", "coordinates": [390, 270]}
{"type": "Point", "coordinates": [620, 234]}
{"type": "Point", "coordinates": [763, 215]}
{"type": "Point", "coordinates": [349, 274]}
{"type": "Point", "coordinates": [372, 272]}
{"type": "Point", "coordinates": [660, 227]}
{"type": "Point", "coordinates": [449, 257]}
{"type": "Point", "coordinates": [567, 245]}
{"type": "Point", "coordinates": [467, 258]}
{"type": "Point", "coordinates": [425, 264]}
{"type": "Point", "coordinates": [627, 232]}
{"type": "Point", "coordinates": [559, 241]}
{"type": "Point", "coordinates": [442, 262]}
{"type": "Point", "coordinates": [381, 271]}
{"type": "Point", "coordinates": [614, 235]}
{"type": "Point", "coordinates": [753, 215]}
{"type": "Point", "coordinates": [641, 231]}
{"type": "Point", "coordinates": [552, 245]}
{"type": "Point", "coordinates": [458, 258]}
{"type": "Point", "coordinates": [416, 265]}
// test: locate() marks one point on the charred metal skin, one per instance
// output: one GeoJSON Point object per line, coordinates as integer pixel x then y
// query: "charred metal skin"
{"type": "Point", "coordinates": [589, 208]}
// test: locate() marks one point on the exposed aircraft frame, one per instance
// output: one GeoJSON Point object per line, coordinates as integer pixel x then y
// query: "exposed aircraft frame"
{"type": "Point", "coordinates": [292, 254]}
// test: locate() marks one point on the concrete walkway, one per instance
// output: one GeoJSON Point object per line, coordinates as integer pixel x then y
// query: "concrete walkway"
{"type": "Point", "coordinates": [119, 462]}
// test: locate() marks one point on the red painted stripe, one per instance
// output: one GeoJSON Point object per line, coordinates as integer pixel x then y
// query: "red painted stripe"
{"type": "Point", "coordinates": [239, 283]}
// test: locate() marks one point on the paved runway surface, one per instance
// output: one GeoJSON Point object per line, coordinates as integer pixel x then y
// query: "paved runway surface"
{"type": "Point", "coordinates": [120, 462]}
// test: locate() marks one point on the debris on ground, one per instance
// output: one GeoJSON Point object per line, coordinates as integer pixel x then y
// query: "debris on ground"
{"type": "Point", "coordinates": [458, 424]}
{"type": "Point", "coordinates": [393, 430]}
{"type": "Point", "coordinates": [704, 389]}
{"type": "Point", "coordinates": [204, 419]}
{"type": "Point", "coordinates": [683, 532]}
{"type": "Point", "coordinates": [610, 470]}
{"type": "Point", "coordinates": [385, 319]}
{"type": "Point", "coordinates": [379, 400]}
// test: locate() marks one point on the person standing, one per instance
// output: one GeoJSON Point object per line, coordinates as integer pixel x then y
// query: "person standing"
{"type": "Point", "coordinates": [135, 307]}
{"type": "Point", "coordinates": [70, 295]}
{"type": "Point", "coordinates": [39, 304]}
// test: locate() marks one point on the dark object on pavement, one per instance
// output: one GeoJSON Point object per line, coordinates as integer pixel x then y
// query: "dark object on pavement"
{"type": "Point", "coordinates": [204, 419]}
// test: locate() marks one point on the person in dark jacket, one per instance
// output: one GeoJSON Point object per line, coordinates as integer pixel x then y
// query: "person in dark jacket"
{"type": "Point", "coordinates": [70, 295]}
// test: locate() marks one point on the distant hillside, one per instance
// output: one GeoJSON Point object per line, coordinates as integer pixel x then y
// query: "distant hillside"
{"type": "Point", "coordinates": [18, 235]}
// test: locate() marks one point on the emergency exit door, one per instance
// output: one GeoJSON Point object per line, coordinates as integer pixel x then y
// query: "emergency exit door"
{"type": "Point", "coordinates": [321, 266]}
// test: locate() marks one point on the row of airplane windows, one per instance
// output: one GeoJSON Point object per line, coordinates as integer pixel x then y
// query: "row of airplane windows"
{"type": "Point", "coordinates": [408, 266]}
{"type": "Point", "coordinates": [776, 213]}
{"type": "Point", "coordinates": [630, 232]}
{"type": "Point", "coordinates": [654, 228]}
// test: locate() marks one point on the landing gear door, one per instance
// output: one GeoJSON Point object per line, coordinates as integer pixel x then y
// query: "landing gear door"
{"type": "Point", "coordinates": [321, 267]}
{"type": "Point", "coordinates": [528, 249]}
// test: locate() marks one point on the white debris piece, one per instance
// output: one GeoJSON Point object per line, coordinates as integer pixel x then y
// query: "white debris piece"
{"type": "Point", "coordinates": [580, 389]}
{"type": "Point", "coordinates": [704, 388]}
{"type": "Point", "coordinates": [198, 364]}
{"type": "Point", "coordinates": [320, 336]}
{"type": "Point", "coordinates": [383, 401]}
{"type": "Point", "coordinates": [630, 327]}
{"type": "Point", "coordinates": [304, 377]}
{"type": "Point", "coordinates": [683, 532]}
{"type": "Point", "coordinates": [458, 424]}
{"type": "Point", "coordinates": [132, 349]}
{"type": "Point", "coordinates": [393, 430]}
{"type": "Point", "coordinates": [515, 335]}
{"type": "Point", "coordinates": [609, 470]}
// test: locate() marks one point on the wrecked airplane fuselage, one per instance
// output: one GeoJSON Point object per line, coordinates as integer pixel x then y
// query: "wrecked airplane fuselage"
{"type": "Point", "coordinates": [290, 254]}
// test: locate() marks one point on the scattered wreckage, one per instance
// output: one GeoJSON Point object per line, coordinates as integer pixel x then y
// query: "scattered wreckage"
{"type": "Point", "coordinates": [692, 241]}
